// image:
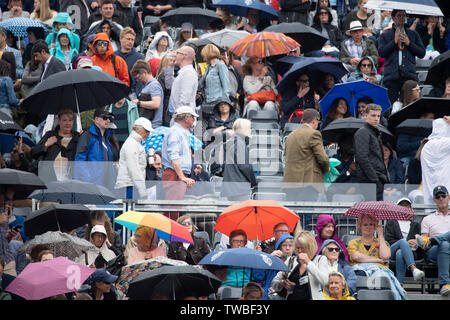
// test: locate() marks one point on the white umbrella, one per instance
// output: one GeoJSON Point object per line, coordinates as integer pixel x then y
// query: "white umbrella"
{"type": "Point", "coordinates": [413, 7]}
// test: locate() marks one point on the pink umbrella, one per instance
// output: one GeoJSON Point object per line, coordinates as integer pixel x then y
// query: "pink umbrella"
{"type": "Point", "coordinates": [41, 280]}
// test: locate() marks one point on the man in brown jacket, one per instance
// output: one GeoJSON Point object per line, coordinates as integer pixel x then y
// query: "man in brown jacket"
{"type": "Point", "coordinates": [306, 160]}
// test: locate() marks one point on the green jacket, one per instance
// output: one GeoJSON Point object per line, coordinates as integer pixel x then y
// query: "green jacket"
{"type": "Point", "coordinates": [132, 114]}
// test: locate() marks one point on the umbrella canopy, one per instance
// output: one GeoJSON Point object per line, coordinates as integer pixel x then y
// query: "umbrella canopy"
{"type": "Point", "coordinates": [7, 123]}
{"type": "Point", "coordinates": [308, 37]}
{"type": "Point", "coordinates": [131, 271]}
{"type": "Point", "coordinates": [244, 258]}
{"type": "Point", "coordinates": [8, 140]}
{"type": "Point", "coordinates": [45, 279]}
{"type": "Point", "coordinates": [18, 26]}
{"type": "Point", "coordinates": [240, 7]}
{"type": "Point", "coordinates": [439, 70]}
{"type": "Point", "coordinates": [256, 217]}
{"type": "Point", "coordinates": [352, 91]}
{"type": "Point", "coordinates": [415, 127]}
{"type": "Point", "coordinates": [339, 128]}
{"type": "Point", "coordinates": [22, 182]}
{"type": "Point", "coordinates": [264, 44]}
{"type": "Point", "coordinates": [200, 18]}
{"type": "Point", "coordinates": [440, 107]}
{"type": "Point", "coordinates": [413, 7]}
{"type": "Point", "coordinates": [166, 228]}
{"type": "Point", "coordinates": [311, 66]}
{"type": "Point", "coordinates": [78, 90]}
{"type": "Point", "coordinates": [62, 244]}
{"type": "Point", "coordinates": [225, 38]}
{"type": "Point", "coordinates": [156, 138]}
{"type": "Point", "coordinates": [56, 217]}
{"type": "Point", "coordinates": [381, 210]}
{"type": "Point", "coordinates": [74, 191]}
{"type": "Point", "coordinates": [177, 282]}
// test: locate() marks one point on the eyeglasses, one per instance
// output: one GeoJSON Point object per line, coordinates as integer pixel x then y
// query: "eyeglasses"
{"type": "Point", "coordinates": [102, 43]}
{"type": "Point", "coordinates": [323, 13]}
{"type": "Point", "coordinates": [440, 196]}
{"type": "Point", "coordinates": [110, 118]}
{"type": "Point", "coordinates": [336, 249]}
{"type": "Point", "coordinates": [281, 231]}
{"type": "Point", "coordinates": [186, 223]}
{"type": "Point", "coordinates": [238, 241]}
{"type": "Point", "coordinates": [416, 89]}
{"type": "Point", "coordinates": [366, 65]}
{"type": "Point", "coordinates": [178, 52]}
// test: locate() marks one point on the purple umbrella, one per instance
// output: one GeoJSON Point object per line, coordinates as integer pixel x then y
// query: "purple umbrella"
{"type": "Point", "coordinates": [41, 280]}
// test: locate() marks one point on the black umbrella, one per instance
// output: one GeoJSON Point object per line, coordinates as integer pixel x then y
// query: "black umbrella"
{"type": "Point", "coordinates": [439, 106]}
{"type": "Point", "coordinates": [22, 182]}
{"type": "Point", "coordinates": [79, 90]}
{"type": "Point", "coordinates": [415, 127]}
{"type": "Point", "coordinates": [309, 38]}
{"type": "Point", "coordinates": [56, 217]}
{"type": "Point", "coordinates": [177, 282]}
{"type": "Point", "coordinates": [74, 191]}
{"type": "Point", "coordinates": [200, 18]}
{"type": "Point", "coordinates": [439, 70]}
{"type": "Point", "coordinates": [8, 124]}
{"type": "Point", "coordinates": [338, 128]}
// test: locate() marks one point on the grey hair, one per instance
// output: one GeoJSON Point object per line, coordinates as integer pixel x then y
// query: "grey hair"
{"type": "Point", "coordinates": [180, 117]}
{"type": "Point", "coordinates": [135, 126]}
{"type": "Point", "coordinates": [337, 274]}
{"type": "Point", "coordinates": [323, 250]}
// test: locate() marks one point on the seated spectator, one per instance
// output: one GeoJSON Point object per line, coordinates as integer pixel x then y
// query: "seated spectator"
{"type": "Point", "coordinates": [447, 89]}
{"type": "Point", "coordinates": [15, 10]}
{"type": "Point", "coordinates": [43, 13]}
{"type": "Point", "coordinates": [187, 32]}
{"type": "Point", "coordinates": [395, 169]}
{"type": "Point", "coordinates": [268, 246]}
{"type": "Point", "coordinates": [323, 22]}
{"type": "Point", "coordinates": [357, 46]}
{"type": "Point", "coordinates": [62, 20]}
{"type": "Point", "coordinates": [34, 34]}
{"type": "Point", "coordinates": [326, 84]}
{"type": "Point", "coordinates": [337, 262]}
{"type": "Point", "coordinates": [366, 70]}
{"type": "Point", "coordinates": [161, 44]}
{"type": "Point", "coordinates": [339, 110]}
{"type": "Point", "coordinates": [113, 239]}
{"type": "Point", "coordinates": [336, 288]}
{"type": "Point", "coordinates": [156, 7]}
{"type": "Point", "coordinates": [199, 174]}
{"type": "Point", "coordinates": [304, 264]}
{"type": "Point", "coordinates": [252, 291]}
{"type": "Point", "coordinates": [254, 24]}
{"type": "Point", "coordinates": [409, 93]}
{"type": "Point", "coordinates": [8, 98]}
{"type": "Point", "coordinates": [359, 15]}
{"type": "Point", "coordinates": [293, 103]}
{"type": "Point", "coordinates": [64, 49]}
{"type": "Point", "coordinates": [326, 4]}
{"type": "Point", "coordinates": [326, 230]}
{"type": "Point", "coordinates": [58, 145]}
{"type": "Point", "coordinates": [190, 253]}
{"type": "Point", "coordinates": [46, 255]}
{"type": "Point", "coordinates": [102, 288]}
{"type": "Point", "coordinates": [154, 171]}
{"type": "Point", "coordinates": [98, 239]}
{"type": "Point", "coordinates": [361, 106]}
{"type": "Point", "coordinates": [433, 35]}
{"type": "Point", "coordinates": [143, 245]}
{"type": "Point", "coordinates": [414, 169]}
{"type": "Point", "coordinates": [6, 255]}
{"type": "Point", "coordinates": [383, 22]}
{"type": "Point", "coordinates": [19, 160]}
{"type": "Point", "coordinates": [257, 80]}
{"type": "Point", "coordinates": [132, 19]}
{"type": "Point", "coordinates": [229, 20]}
{"type": "Point", "coordinates": [107, 11]}
{"type": "Point", "coordinates": [220, 124]}
{"type": "Point", "coordinates": [401, 237]}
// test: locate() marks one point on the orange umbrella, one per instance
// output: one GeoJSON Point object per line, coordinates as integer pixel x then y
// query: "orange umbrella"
{"type": "Point", "coordinates": [256, 217]}
{"type": "Point", "coordinates": [264, 44]}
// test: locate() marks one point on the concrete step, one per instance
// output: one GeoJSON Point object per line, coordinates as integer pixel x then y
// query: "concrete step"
{"type": "Point", "coordinates": [418, 296]}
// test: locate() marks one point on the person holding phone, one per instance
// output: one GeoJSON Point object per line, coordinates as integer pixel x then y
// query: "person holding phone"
{"type": "Point", "coordinates": [366, 70]}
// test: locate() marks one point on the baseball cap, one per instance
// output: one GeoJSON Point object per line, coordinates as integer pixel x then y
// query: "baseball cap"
{"type": "Point", "coordinates": [100, 112]}
{"type": "Point", "coordinates": [101, 275]}
{"type": "Point", "coordinates": [403, 199]}
{"type": "Point", "coordinates": [98, 228]}
{"type": "Point", "coordinates": [439, 189]}
{"type": "Point", "coordinates": [187, 26]}
{"type": "Point", "coordinates": [186, 109]}
{"type": "Point", "coordinates": [84, 63]}
{"type": "Point", "coordinates": [144, 122]}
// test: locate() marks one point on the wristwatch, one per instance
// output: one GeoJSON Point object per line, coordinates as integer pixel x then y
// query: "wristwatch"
{"type": "Point", "coordinates": [139, 104]}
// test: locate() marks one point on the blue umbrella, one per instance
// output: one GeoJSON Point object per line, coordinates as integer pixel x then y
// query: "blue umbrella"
{"type": "Point", "coordinates": [156, 137]}
{"type": "Point", "coordinates": [19, 26]}
{"type": "Point", "coordinates": [240, 7]}
{"type": "Point", "coordinates": [352, 91]}
{"type": "Point", "coordinates": [413, 7]}
{"type": "Point", "coordinates": [8, 140]}
{"type": "Point", "coordinates": [307, 64]}
{"type": "Point", "coordinates": [244, 258]}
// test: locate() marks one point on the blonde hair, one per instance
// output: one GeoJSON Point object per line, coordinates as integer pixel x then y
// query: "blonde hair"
{"type": "Point", "coordinates": [360, 219]}
{"type": "Point", "coordinates": [127, 30]}
{"type": "Point", "coordinates": [251, 287]}
{"type": "Point", "coordinates": [44, 12]}
{"type": "Point", "coordinates": [307, 241]}
{"type": "Point", "coordinates": [147, 232]}
{"type": "Point", "coordinates": [242, 126]}
{"type": "Point", "coordinates": [210, 52]}
{"type": "Point", "coordinates": [164, 63]}
{"type": "Point", "coordinates": [337, 274]}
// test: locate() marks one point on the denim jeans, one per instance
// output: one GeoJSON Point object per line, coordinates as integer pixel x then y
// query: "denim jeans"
{"type": "Point", "coordinates": [441, 254]}
{"type": "Point", "coordinates": [403, 256]}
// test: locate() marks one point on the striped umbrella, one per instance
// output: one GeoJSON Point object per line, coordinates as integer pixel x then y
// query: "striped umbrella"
{"type": "Point", "coordinates": [264, 44]}
{"type": "Point", "coordinates": [19, 26]}
{"type": "Point", "coordinates": [381, 210]}
{"type": "Point", "coordinates": [166, 228]}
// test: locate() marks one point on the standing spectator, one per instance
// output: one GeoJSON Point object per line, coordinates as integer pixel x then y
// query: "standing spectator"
{"type": "Point", "coordinates": [401, 237]}
{"type": "Point", "coordinates": [104, 55]}
{"type": "Point", "coordinates": [252, 22]}
{"type": "Point", "coordinates": [165, 75]}
{"type": "Point", "coordinates": [323, 22]}
{"type": "Point", "coordinates": [399, 47]}
{"type": "Point", "coordinates": [221, 122]}
{"type": "Point", "coordinates": [176, 155]}
{"type": "Point", "coordinates": [52, 65]}
{"type": "Point", "coordinates": [156, 7]}
{"type": "Point", "coordinates": [184, 87]}
{"type": "Point", "coordinates": [133, 161]}
{"type": "Point", "coordinates": [32, 74]}
{"type": "Point", "coordinates": [43, 13]}
{"type": "Point", "coordinates": [359, 15]}
{"type": "Point", "coordinates": [433, 158]}
{"type": "Point", "coordinates": [107, 11]}
{"type": "Point", "coordinates": [15, 10]}
{"type": "Point", "coordinates": [62, 20]}
{"type": "Point", "coordinates": [130, 55]}
{"type": "Point", "coordinates": [5, 48]}
{"type": "Point", "coordinates": [125, 113]}
{"type": "Point", "coordinates": [356, 47]}
{"type": "Point", "coordinates": [126, 8]}
{"type": "Point", "coordinates": [306, 160]}
{"type": "Point", "coordinates": [325, 230]}
{"type": "Point", "coordinates": [294, 11]}
{"type": "Point", "coordinates": [435, 237]}
{"type": "Point", "coordinates": [187, 32]}
{"type": "Point", "coordinates": [151, 109]}
{"type": "Point", "coordinates": [8, 98]}
{"type": "Point", "coordinates": [228, 19]}
{"type": "Point", "coordinates": [369, 152]}
{"type": "Point", "coordinates": [64, 49]}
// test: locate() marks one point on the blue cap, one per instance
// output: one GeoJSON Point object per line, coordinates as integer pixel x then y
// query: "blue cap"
{"type": "Point", "coordinates": [283, 237]}
{"type": "Point", "coordinates": [101, 275]}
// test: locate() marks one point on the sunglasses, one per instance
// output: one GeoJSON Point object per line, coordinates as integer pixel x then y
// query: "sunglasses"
{"type": "Point", "coordinates": [110, 118]}
{"type": "Point", "coordinates": [334, 249]}
{"type": "Point", "coordinates": [440, 196]}
{"type": "Point", "coordinates": [186, 223]}
{"type": "Point", "coordinates": [303, 80]}
{"type": "Point", "coordinates": [366, 65]}
{"type": "Point", "coordinates": [102, 43]}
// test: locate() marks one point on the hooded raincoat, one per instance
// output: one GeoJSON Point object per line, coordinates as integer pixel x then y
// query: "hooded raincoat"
{"type": "Point", "coordinates": [63, 17]}
{"type": "Point", "coordinates": [434, 159]}
{"type": "Point", "coordinates": [322, 221]}
{"type": "Point", "coordinates": [152, 52]}
{"type": "Point", "coordinates": [345, 296]}
{"type": "Point", "coordinates": [57, 51]}
{"type": "Point", "coordinates": [358, 75]}
{"type": "Point", "coordinates": [89, 257]}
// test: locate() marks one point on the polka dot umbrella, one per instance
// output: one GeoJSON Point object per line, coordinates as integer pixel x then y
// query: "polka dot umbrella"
{"type": "Point", "coordinates": [19, 26]}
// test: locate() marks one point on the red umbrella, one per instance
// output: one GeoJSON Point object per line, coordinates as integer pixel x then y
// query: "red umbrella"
{"type": "Point", "coordinates": [256, 217]}
{"type": "Point", "coordinates": [381, 210]}
{"type": "Point", "coordinates": [264, 44]}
